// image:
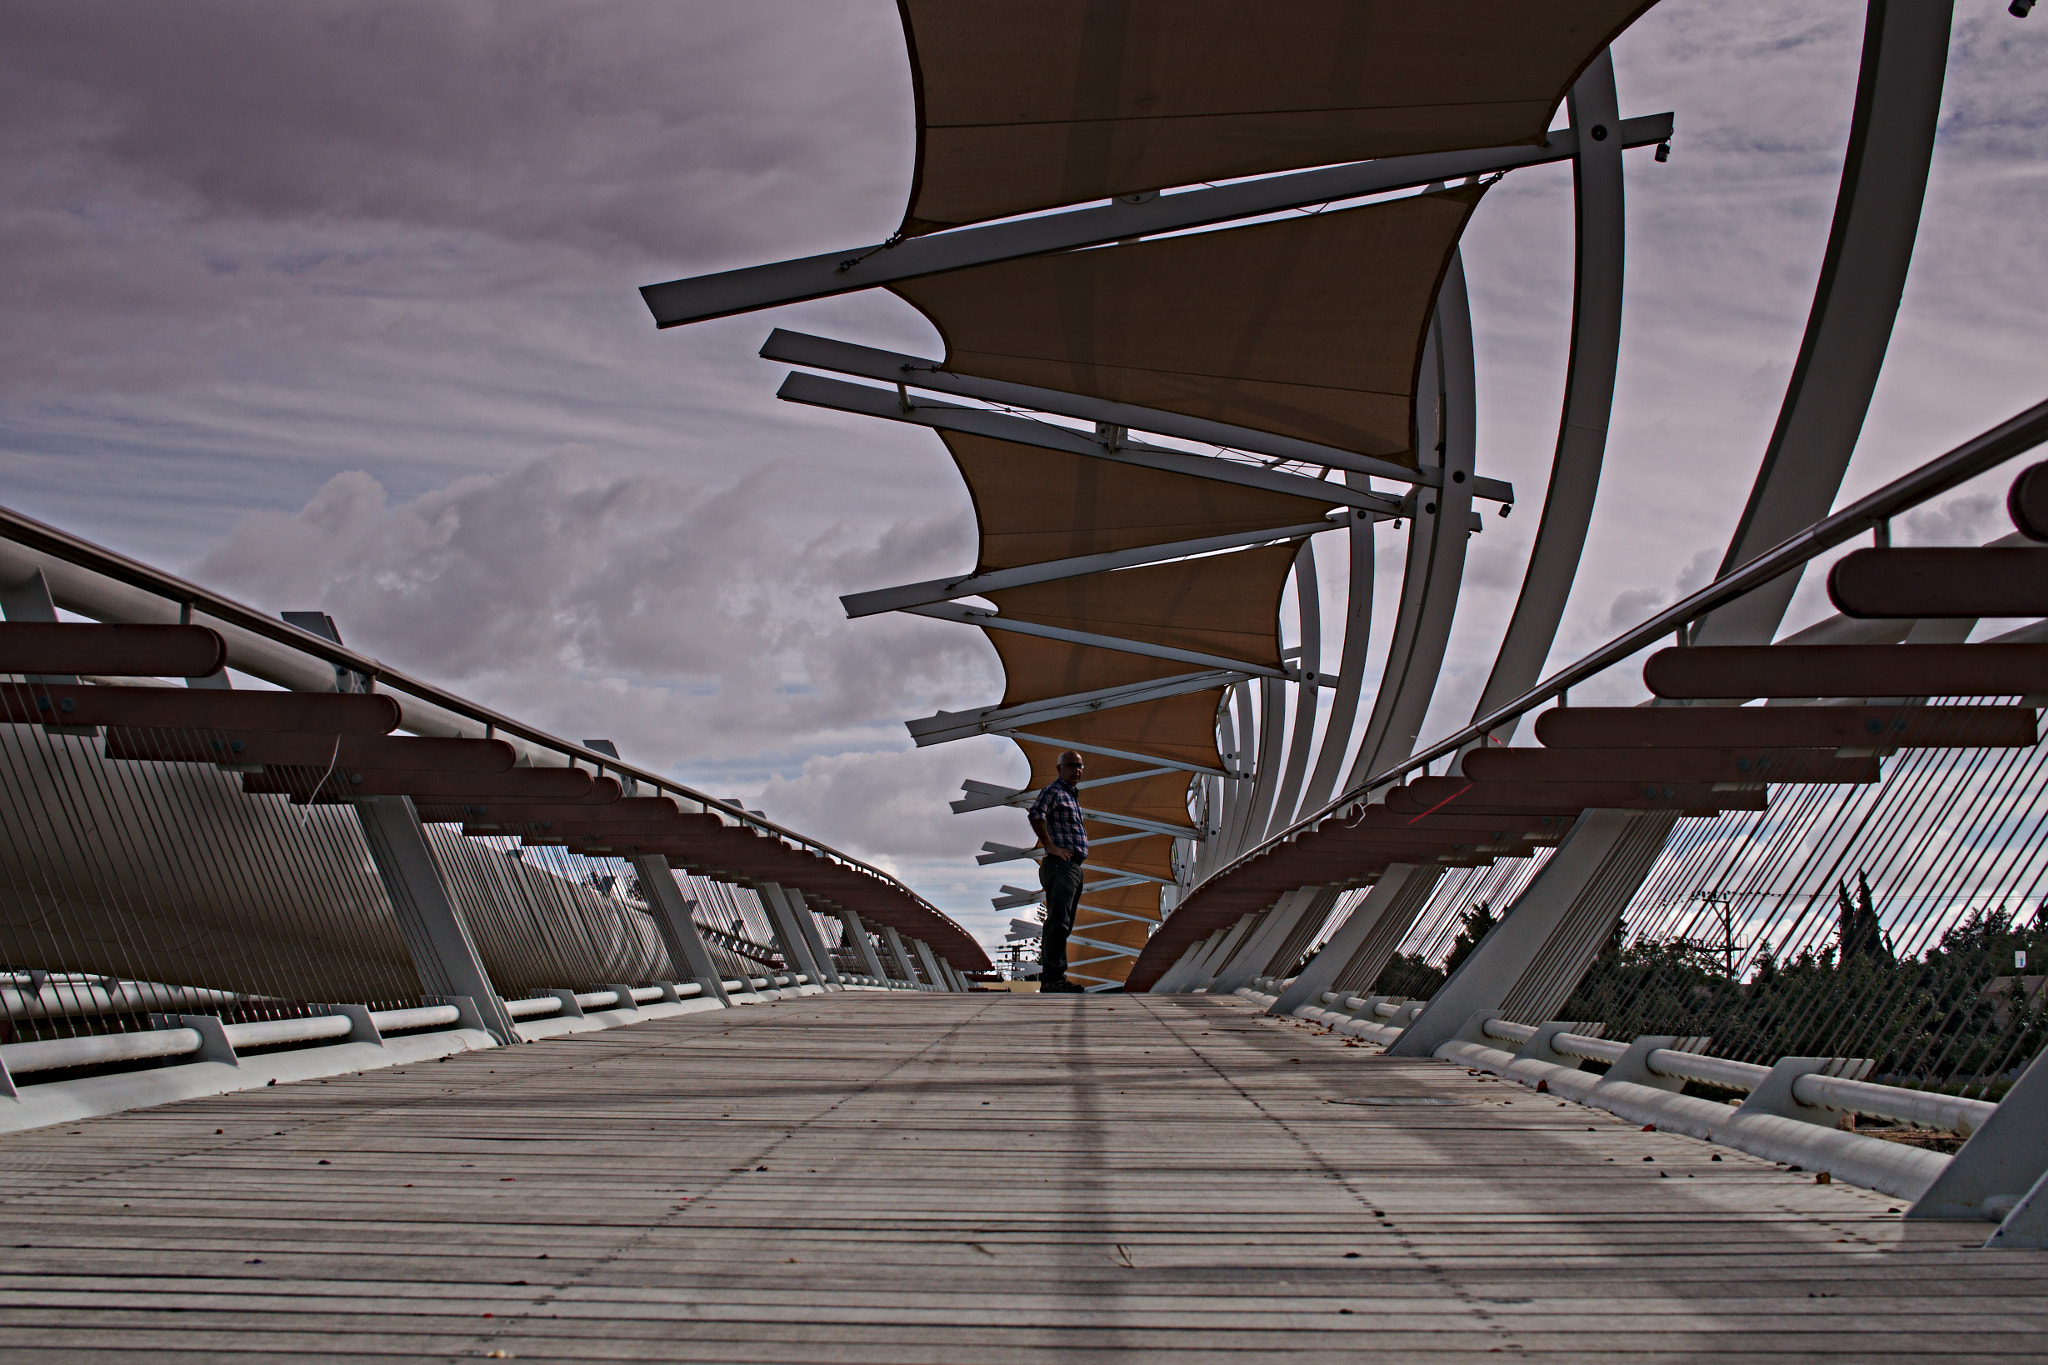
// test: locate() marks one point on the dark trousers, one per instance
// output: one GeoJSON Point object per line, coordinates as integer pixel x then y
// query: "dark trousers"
{"type": "Point", "coordinates": [1061, 878]}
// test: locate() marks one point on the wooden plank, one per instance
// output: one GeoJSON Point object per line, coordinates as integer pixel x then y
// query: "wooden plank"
{"type": "Point", "coordinates": [955, 1178]}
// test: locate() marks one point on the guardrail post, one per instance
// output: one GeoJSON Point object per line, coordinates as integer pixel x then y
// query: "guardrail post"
{"type": "Point", "coordinates": [857, 935]}
{"type": "Point", "coordinates": [1251, 960]}
{"type": "Point", "coordinates": [1186, 964]}
{"type": "Point", "coordinates": [362, 1028]}
{"type": "Point", "coordinates": [904, 971]}
{"type": "Point", "coordinates": [1774, 1095]}
{"type": "Point", "coordinates": [1633, 1065]}
{"type": "Point", "coordinates": [1321, 974]}
{"type": "Point", "coordinates": [1200, 974]}
{"type": "Point", "coordinates": [1474, 1030]}
{"type": "Point", "coordinates": [442, 950]}
{"type": "Point", "coordinates": [572, 1008]}
{"type": "Point", "coordinates": [625, 994]}
{"type": "Point", "coordinates": [213, 1035]}
{"type": "Point", "coordinates": [2027, 1224]}
{"type": "Point", "coordinates": [685, 942]}
{"type": "Point", "coordinates": [467, 1015]}
{"type": "Point", "coordinates": [931, 966]}
{"type": "Point", "coordinates": [789, 935]}
{"type": "Point", "coordinates": [2003, 1160]}
{"type": "Point", "coordinates": [1368, 1007]}
{"type": "Point", "coordinates": [1541, 1047]}
{"type": "Point", "coordinates": [807, 924]}
{"type": "Point", "coordinates": [1598, 842]}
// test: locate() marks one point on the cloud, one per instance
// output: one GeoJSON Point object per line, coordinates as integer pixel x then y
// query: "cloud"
{"type": "Point", "coordinates": [596, 595]}
{"type": "Point", "coordinates": [336, 303]}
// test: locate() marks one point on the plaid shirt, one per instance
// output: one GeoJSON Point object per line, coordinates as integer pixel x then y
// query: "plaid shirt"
{"type": "Point", "coordinates": [1058, 807]}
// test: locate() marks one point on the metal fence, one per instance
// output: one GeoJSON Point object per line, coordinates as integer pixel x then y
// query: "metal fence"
{"type": "Point", "coordinates": [195, 866]}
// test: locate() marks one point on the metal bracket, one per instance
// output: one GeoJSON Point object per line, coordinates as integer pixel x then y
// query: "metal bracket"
{"type": "Point", "coordinates": [213, 1035]}
{"type": "Point", "coordinates": [1774, 1094]}
{"type": "Point", "coordinates": [1633, 1065]}
{"type": "Point", "coordinates": [1541, 1047]}
{"type": "Point", "coordinates": [362, 1028]}
{"type": "Point", "coordinates": [625, 994]}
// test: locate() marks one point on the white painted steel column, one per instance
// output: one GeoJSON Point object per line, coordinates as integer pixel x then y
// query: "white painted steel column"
{"type": "Point", "coordinates": [1308, 988]}
{"type": "Point", "coordinates": [807, 925]}
{"type": "Point", "coordinates": [1250, 960]}
{"type": "Point", "coordinates": [1436, 538]}
{"type": "Point", "coordinates": [931, 965]}
{"type": "Point", "coordinates": [1863, 275]}
{"type": "Point", "coordinates": [2002, 1161]}
{"type": "Point", "coordinates": [1597, 844]}
{"type": "Point", "coordinates": [904, 971]}
{"type": "Point", "coordinates": [1206, 969]}
{"type": "Point", "coordinates": [1601, 243]}
{"type": "Point", "coordinates": [1870, 247]}
{"type": "Point", "coordinates": [687, 950]}
{"type": "Point", "coordinates": [1169, 980]}
{"type": "Point", "coordinates": [857, 934]}
{"type": "Point", "coordinates": [432, 927]}
{"type": "Point", "coordinates": [789, 935]}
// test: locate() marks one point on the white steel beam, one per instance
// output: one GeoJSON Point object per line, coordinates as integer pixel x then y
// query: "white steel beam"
{"type": "Point", "coordinates": [895, 406]}
{"type": "Point", "coordinates": [917, 372]}
{"type": "Point", "coordinates": [946, 726]}
{"type": "Point", "coordinates": [986, 795]}
{"type": "Point", "coordinates": [946, 589]}
{"type": "Point", "coordinates": [989, 620]}
{"type": "Point", "coordinates": [1106, 752]}
{"type": "Point", "coordinates": [1117, 949]}
{"type": "Point", "coordinates": [1600, 247]}
{"type": "Point", "coordinates": [847, 271]}
{"type": "Point", "coordinates": [993, 852]}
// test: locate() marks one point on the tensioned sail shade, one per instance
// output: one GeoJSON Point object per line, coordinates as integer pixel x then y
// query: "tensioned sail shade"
{"type": "Point", "coordinates": [1034, 104]}
{"type": "Point", "coordinates": [1035, 505]}
{"type": "Point", "coordinates": [1310, 326]}
{"type": "Point", "coordinates": [1218, 604]}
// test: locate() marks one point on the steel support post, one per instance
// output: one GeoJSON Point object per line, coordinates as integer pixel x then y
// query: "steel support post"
{"type": "Point", "coordinates": [905, 972]}
{"type": "Point", "coordinates": [687, 951]}
{"type": "Point", "coordinates": [2002, 1161]}
{"type": "Point", "coordinates": [1322, 783]}
{"type": "Point", "coordinates": [1190, 958]}
{"type": "Point", "coordinates": [789, 935]}
{"type": "Point", "coordinates": [931, 966]}
{"type": "Point", "coordinates": [1205, 971]}
{"type": "Point", "coordinates": [1601, 242]}
{"type": "Point", "coordinates": [1602, 857]}
{"type": "Point", "coordinates": [1267, 777]}
{"type": "Point", "coordinates": [1870, 247]}
{"type": "Point", "coordinates": [1321, 974]}
{"type": "Point", "coordinates": [1250, 960]}
{"type": "Point", "coordinates": [441, 948]}
{"type": "Point", "coordinates": [857, 935]}
{"type": "Point", "coordinates": [807, 924]}
{"type": "Point", "coordinates": [1308, 611]}
{"type": "Point", "coordinates": [1862, 276]}
{"type": "Point", "coordinates": [1446, 412]}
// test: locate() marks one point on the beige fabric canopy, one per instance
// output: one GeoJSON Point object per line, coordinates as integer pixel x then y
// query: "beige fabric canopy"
{"type": "Point", "coordinates": [1310, 326]}
{"type": "Point", "coordinates": [1036, 505]}
{"type": "Point", "coordinates": [1034, 104]}
{"type": "Point", "coordinates": [1218, 604]}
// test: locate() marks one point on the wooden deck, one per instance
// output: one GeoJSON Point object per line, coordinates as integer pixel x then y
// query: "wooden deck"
{"type": "Point", "coordinates": [949, 1178]}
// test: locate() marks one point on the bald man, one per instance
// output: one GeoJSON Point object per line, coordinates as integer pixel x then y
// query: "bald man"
{"type": "Point", "coordinates": [1056, 820]}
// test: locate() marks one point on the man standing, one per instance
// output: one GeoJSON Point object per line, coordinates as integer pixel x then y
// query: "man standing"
{"type": "Point", "coordinates": [1056, 820]}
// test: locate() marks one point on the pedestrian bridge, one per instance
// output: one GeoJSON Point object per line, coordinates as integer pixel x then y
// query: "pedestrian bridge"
{"type": "Point", "coordinates": [345, 1017]}
{"type": "Point", "coordinates": [987, 1177]}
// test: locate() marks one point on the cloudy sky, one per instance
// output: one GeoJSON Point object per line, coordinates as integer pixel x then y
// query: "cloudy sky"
{"type": "Point", "coordinates": [333, 305]}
